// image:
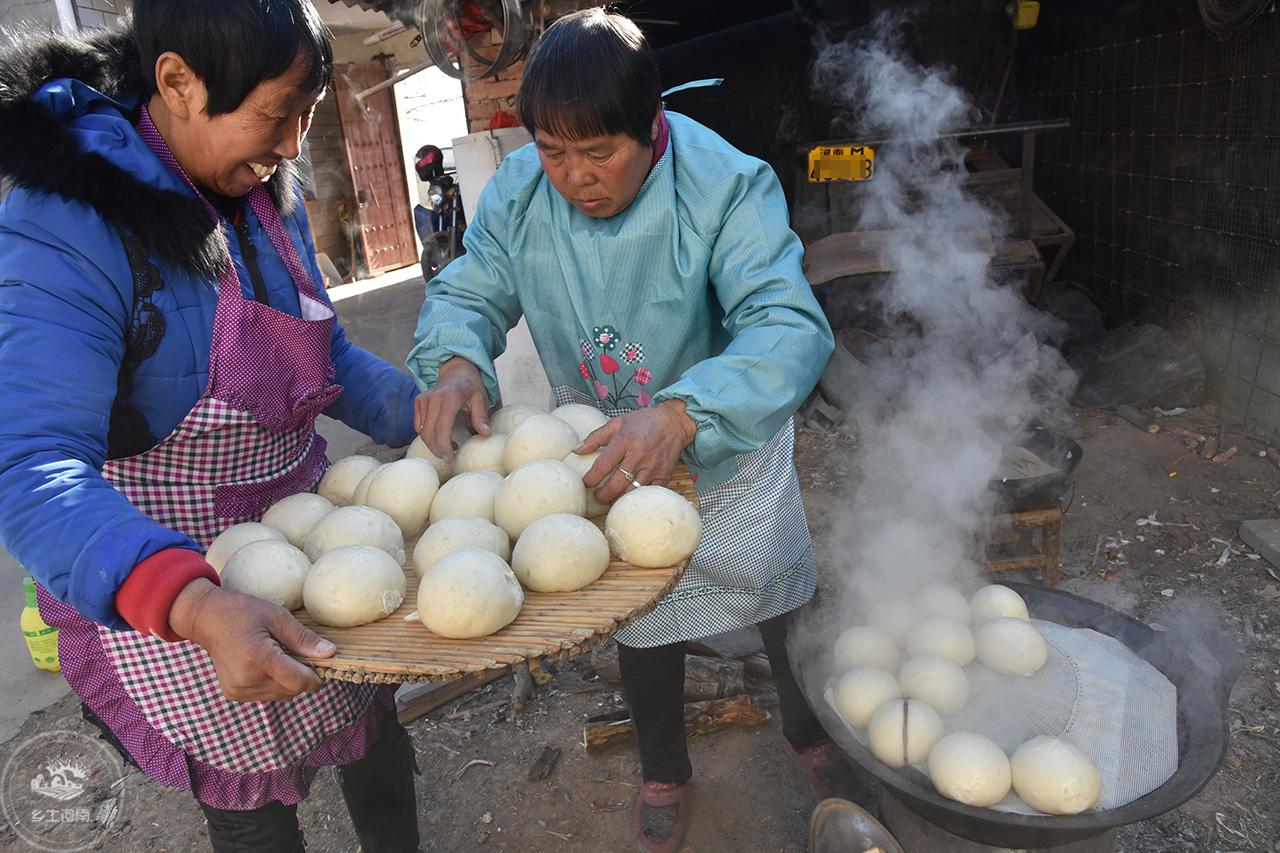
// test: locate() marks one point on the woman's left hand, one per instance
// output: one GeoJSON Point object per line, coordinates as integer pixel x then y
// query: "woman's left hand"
{"type": "Point", "coordinates": [645, 444]}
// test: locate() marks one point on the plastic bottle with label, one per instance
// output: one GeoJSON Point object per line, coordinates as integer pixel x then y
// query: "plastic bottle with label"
{"type": "Point", "coordinates": [42, 640]}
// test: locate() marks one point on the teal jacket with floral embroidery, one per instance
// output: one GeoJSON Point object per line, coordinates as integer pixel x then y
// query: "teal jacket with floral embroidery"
{"type": "Point", "coordinates": [694, 292]}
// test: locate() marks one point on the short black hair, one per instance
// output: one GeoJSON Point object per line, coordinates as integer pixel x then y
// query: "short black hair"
{"type": "Point", "coordinates": [592, 73]}
{"type": "Point", "coordinates": [233, 45]}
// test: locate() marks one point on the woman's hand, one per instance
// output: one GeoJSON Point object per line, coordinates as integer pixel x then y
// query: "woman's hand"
{"type": "Point", "coordinates": [247, 638]}
{"type": "Point", "coordinates": [458, 388]}
{"type": "Point", "coordinates": [645, 444]}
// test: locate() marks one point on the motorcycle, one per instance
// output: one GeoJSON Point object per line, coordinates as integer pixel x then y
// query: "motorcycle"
{"type": "Point", "coordinates": [441, 222]}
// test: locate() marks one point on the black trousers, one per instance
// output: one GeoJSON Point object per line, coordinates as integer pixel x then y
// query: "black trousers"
{"type": "Point", "coordinates": [653, 684]}
{"type": "Point", "coordinates": [379, 790]}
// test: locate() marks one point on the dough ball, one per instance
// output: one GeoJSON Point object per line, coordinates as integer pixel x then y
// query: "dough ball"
{"type": "Point", "coordinates": [536, 489]}
{"type": "Point", "coordinates": [466, 495]}
{"type": "Point", "coordinates": [453, 534]}
{"type": "Point", "coordinates": [469, 593]}
{"type": "Point", "coordinates": [353, 585]}
{"type": "Point", "coordinates": [896, 618]}
{"type": "Point", "coordinates": [538, 437]}
{"type": "Point", "coordinates": [296, 515]}
{"type": "Point", "coordinates": [419, 450]}
{"type": "Point", "coordinates": [268, 569]}
{"type": "Point", "coordinates": [339, 482]}
{"type": "Point", "coordinates": [360, 497]}
{"type": "Point", "coordinates": [1011, 647]}
{"type": "Point", "coordinates": [236, 537]}
{"type": "Point", "coordinates": [507, 418]}
{"type": "Point", "coordinates": [584, 419]}
{"type": "Point", "coordinates": [939, 683]}
{"type": "Point", "coordinates": [1054, 776]}
{"type": "Point", "coordinates": [560, 553]}
{"type": "Point", "coordinates": [580, 465]}
{"type": "Point", "coordinates": [653, 527]}
{"type": "Point", "coordinates": [481, 453]}
{"type": "Point", "coordinates": [355, 525]}
{"type": "Point", "coordinates": [970, 768]}
{"type": "Point", "coordinates": [404, 490]}
{"type": "Point", "coordinates": [948, 638]}
{"type": "Point", "coordinates": [861, 691]}
{"type": "Point", "coordinates": [865, 646]}
{"type": "Point", "coordinates": [903, 731]}
{"type": "Point", "coordinates": [997, 602]}
{"type": "Point", "coordinates": [944, 602]}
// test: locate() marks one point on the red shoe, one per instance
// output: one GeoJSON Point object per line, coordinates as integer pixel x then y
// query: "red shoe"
{"type": "Point", "coordinates": [659, 816]}
{"type": "Point", "coordinates": [823, 755]}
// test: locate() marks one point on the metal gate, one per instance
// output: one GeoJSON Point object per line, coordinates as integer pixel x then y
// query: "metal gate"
{"type": "Point", "coordinates": [372, 138]}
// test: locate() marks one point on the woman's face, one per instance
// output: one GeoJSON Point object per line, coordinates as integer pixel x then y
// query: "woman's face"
{"type": "Point", "coordinates": [600, 175]}
{"type": "Point", "coordinates": [233, 152]}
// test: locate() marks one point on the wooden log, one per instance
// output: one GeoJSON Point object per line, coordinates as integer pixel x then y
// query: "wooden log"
{"type": "Point", "coordinates": [1229, 453]}
{"type": "Point", "coordinates": [545, 763]}
{"type": "Point", "coordinates": [704, 678]}
{"type": "Point", "coordinates": [1210, 448]}
{"type": "Point", "coordinates": [1274, 456]}
{"type": "Point", "coordinates": [699, 718]}
{"type": "Point", "coordinates": [422, 699]}
{"type": "Point", "coordinates": [1141, 421]}
{"type": "Point", "coordinates": [1189, 437]}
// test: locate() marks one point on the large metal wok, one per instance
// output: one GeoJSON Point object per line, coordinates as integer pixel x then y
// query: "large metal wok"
{"type": "Point", "coordinates": [1202, 669]}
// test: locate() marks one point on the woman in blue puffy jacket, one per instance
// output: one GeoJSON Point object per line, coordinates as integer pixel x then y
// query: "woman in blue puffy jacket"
{"type": "Point", "coordinates": [165, 349]}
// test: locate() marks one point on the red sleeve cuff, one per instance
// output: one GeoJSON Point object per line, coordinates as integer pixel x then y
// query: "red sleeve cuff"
{"type": "Point", "coordinates": [147, 595]}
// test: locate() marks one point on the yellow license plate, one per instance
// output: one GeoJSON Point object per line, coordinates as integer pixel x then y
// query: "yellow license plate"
{"type": "Point", "coordinates": [841, 163]}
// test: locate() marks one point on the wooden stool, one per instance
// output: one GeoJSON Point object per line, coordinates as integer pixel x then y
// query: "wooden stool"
{"type": "Point", "coordinates": [1026, 541]}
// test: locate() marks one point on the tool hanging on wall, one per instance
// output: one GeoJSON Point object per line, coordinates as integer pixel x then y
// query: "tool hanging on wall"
{"type": "Point", "coordinates": [448, 27]}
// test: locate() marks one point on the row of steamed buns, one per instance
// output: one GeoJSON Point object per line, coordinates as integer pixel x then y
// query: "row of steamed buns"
{"type": "Point", "coordinates": [486, 537]}
{"type": "Point", "coordinates": [902, 705]}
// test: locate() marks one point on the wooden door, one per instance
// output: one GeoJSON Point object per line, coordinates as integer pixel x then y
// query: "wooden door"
{"type": "Point", "coordinates": [372, 138]}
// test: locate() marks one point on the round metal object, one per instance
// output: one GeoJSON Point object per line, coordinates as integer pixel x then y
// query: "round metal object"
{"type": "Point", "coordinates": [1203, 668]}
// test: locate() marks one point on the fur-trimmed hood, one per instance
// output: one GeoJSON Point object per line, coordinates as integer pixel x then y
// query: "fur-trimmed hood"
{"type": "Point", "coordinates": [40, 150]}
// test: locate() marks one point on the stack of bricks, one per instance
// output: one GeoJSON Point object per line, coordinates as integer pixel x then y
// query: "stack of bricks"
{"type": "Point", "coordinates": [484, 96]}
{"type": "Point", "coordinates": [98, 14]}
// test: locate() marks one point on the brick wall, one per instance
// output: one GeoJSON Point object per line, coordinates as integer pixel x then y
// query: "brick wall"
{"type": "Point", "coordinates": [1170, 175]}
{"type": "Point", "coordinates": [330, 180]}
{"type": "Point", "coordinates": [487, 95]}
{"type": "Point", "coordinates": [94, 14]}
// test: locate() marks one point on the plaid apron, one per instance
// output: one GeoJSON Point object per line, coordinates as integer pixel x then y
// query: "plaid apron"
{"type": "Point", "coordinates": [249, 441]}
{"type": "Point", "coordinates": [755, 560]}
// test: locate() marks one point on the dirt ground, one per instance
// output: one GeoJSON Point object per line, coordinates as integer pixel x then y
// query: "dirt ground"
{"type": "Point", "coordinates": [749, 796]}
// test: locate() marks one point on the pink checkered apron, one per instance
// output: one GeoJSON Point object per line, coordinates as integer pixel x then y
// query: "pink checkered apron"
{"type": "Point", "coordinates": [249, 441]}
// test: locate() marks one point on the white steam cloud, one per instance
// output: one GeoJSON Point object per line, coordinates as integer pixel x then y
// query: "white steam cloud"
{"type": "Point", "coordinates": [961, 372]}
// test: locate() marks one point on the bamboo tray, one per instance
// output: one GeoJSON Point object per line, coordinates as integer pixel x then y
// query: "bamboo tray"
{"type": "Point", "coordinates": [550, 625]}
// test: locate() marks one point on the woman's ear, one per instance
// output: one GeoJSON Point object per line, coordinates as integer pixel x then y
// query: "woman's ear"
{"type": "Point", "coordinates": [653, 128]}
{"type": "Point", "coordinates": [178, 86]}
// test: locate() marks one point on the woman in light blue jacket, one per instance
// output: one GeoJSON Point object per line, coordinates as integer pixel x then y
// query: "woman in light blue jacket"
{"type": "Point", "coordinates": [661, 283]}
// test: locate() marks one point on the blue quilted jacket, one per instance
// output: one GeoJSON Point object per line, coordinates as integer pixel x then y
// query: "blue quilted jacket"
{"type": "Point", "coordinates": [80, 176]}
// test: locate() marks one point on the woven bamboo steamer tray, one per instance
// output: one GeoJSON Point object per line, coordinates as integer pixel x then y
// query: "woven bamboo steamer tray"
{"type": "Point", "coordinates": [550, 626]}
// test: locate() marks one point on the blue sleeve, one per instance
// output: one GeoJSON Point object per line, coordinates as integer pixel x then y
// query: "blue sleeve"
{"type": "Point", "coordinates": [472, 304]}
{"type": "Point", "coordinates": [377, 398]}
{"type": "Point", "coordinates": [780, 338]}
{"type": "Point", "coordinates": [62, 324]}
